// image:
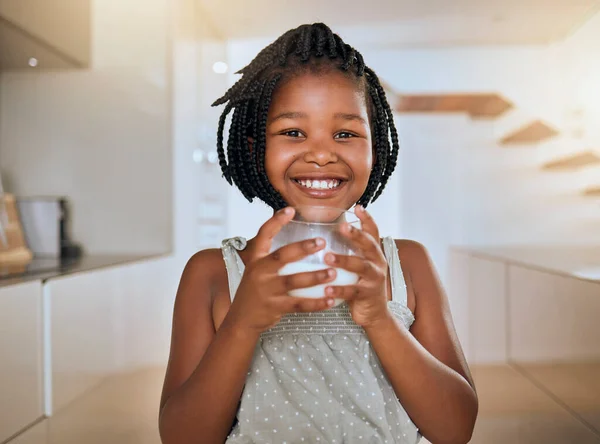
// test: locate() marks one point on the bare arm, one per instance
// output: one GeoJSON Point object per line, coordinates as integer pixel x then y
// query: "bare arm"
{"type": "Point", "coordinates": [207, 370]}
{"type": "Point", "coordinates": [427, 368]}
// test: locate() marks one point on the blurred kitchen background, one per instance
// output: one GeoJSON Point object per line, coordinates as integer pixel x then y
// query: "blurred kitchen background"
{"type": "Point", "coordinates": [107, 159]}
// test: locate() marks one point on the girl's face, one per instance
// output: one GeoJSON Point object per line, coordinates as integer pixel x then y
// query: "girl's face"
{"type": "Point", "coordinates": [319, 149]}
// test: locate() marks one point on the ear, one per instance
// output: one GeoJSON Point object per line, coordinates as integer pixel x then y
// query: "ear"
{"type": "Point", "coordinates": [250, 143]}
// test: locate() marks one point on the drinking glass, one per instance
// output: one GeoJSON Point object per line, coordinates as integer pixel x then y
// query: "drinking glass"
{"type": "Point", "coordinates": [311, 222]}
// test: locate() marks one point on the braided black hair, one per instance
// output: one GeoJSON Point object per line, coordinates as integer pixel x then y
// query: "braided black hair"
{"type": "Point", "coordinates": [313, 48]}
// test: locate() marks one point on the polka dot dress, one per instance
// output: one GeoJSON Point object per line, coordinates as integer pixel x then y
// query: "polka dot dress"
{"type": "Point", "coordinates": [315, 378]}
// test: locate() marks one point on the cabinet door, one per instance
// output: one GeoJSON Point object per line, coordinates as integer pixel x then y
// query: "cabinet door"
{"type": "Point", "coordinates": [458, 297]}
{"type": "Point", "coordinates": [58, 43]}
{"type": "Point", "coordinates": [82, 312]}
{"type": "Point", "coordinates": [487, 308]}
{"type": "Point", "coordinates": [107, 321]}
{"type": "Point", "coordinates": [21, 366]}
{"type": "Point", "coordinates": [553, 318]}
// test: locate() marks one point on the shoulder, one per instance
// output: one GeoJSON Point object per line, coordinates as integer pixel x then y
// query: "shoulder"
{"type": "Point", "coordinates": [204, 263]}
{"type": "Point", "coordinates": [202, 274]}
{"type": "Point", "coordinates": [411, 251]}
{"type": "Point", "coordinates": [416, 260]}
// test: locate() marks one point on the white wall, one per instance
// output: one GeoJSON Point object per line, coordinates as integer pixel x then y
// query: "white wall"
{"type": "Point", "coordinates": [101, 136]}
{"type": "Point", "coordinates": [582, 68]}
{"type": "Point", "coordinates": [197, 47]}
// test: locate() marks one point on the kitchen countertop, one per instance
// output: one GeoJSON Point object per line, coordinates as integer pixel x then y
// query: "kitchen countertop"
{"type": "Point", "coordinates": [581, 262]}
{"type": "Point", "coordinates": [83, 264]}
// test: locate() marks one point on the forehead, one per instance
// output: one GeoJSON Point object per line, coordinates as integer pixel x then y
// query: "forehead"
{"type": "Point", "coordinates": [332, 91]}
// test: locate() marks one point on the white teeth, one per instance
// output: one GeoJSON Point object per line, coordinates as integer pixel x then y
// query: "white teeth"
{"type": "Point", "coordinates": [320, 184]}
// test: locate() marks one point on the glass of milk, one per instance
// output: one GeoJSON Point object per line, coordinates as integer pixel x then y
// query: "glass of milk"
{"type": "Point", "coordinates": [311, 222]}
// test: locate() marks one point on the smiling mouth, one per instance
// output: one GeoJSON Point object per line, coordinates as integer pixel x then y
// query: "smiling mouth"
{"type": "Point", "coordinates": [319, 184]}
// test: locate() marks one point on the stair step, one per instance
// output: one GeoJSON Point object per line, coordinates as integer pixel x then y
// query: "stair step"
{"type": "Point", "coordinates": [573, 161]}
{"type": "Point", "coordinates": [534, 132]}
{"type": "Point", "coordinates": [593, 191]}
{"type": "Point", "coordinates": [477, 105]}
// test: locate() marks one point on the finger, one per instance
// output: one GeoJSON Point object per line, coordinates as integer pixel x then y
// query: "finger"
{"type": "Point", "coordinates": [269, 230]}
{"type": "Point", "coordinates": [362, 241]}
{"type": "Point", "coordinates": [367, 222]}
{"type": "Point", "coordinates": [361, 266]}
{"type": "Point", "coordinates": [292, 253]}
{"type": "Point", "coordinates": [291, 304]}
{"type": "Point", "coordinates": [345, 292]}
{"type": "Point", "coordinates": [289, 282]}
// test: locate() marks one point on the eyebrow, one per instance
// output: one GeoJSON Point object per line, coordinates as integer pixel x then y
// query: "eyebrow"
{"type": "Point", "coordinates": [346, 116]}
{"type": "Point", "coordinates": [300, 115]}
{"type": "Point", "coordinates": [289, 115]}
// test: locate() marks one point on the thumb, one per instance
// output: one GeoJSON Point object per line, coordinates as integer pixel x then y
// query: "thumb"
{"type": "Point", "coordinates": [270, 229]}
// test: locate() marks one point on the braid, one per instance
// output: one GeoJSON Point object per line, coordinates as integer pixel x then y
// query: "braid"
{"type": "Point", "coordinates": [241, 140]}
{"type": "Point", "coordinates": [297, 51]}
{"type": "Point", "coordinates": [390, 126]}
{"type": "Point", "coordinates": [338, 46]}
{"type": "Point", "coordinates": [266, 191]}
{"type": "Point", "coordinates": [320, 41]}
{"type": "Point", "coordinates": [307, 44]}
{"type": "Point", "coordinates": [274, 199]}
{"type": "Point", "coordinates": [220, 150]}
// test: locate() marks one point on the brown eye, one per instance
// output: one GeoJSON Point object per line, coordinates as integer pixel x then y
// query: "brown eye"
{"type": "Point", "coordinates": [292, 133]}
{"type": "Point", "coordinates": [344, 135]}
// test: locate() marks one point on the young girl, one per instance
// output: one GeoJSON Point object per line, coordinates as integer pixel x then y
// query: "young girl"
{"type": "Point", "coordinates": [249, 363]}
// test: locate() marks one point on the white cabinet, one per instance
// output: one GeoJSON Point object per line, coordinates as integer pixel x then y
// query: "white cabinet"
{"type": "Point", "coordinates": [60, 339]}
{"type": "Point", "coordinates": [458, 297]}
{"type": "Point", "coordinates": [518, 313]}
{"type": "Point", "coordinates": [56, 32]}
{"type": "Point", "coordinates": [487, 303]}
{"type": "Point", "coordinates": [82, 336]}
{"type": "Point", "coordinates": [553, 317]}
{"type": "Point", "coordinates": [106, 321]}
{"type": "Point", "coordinates": [477, 295]}
{"type": "Point", "coordinates": [21, 367]}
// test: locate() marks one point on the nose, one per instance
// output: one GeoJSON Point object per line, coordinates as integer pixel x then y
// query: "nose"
{"type": "Point", "coordinates": [321, 153]}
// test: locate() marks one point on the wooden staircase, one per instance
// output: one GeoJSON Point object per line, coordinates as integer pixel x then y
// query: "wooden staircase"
{"type": "Point", "coordinates": [515, 128]}
{"type": "Point", "coordinates": [573, 162]}
{"type": "Point", "coordinates": [478, 106]}
{"type": "Point", "coordinates": [531, 133]}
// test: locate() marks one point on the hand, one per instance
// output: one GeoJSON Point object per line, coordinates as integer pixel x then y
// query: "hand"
{"type": "Point", "coordinates": [368, 297]}
{"type": "Point", "coordinates": [262, 297]}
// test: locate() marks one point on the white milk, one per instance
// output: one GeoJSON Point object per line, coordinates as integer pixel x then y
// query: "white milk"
{"type": "Point", "coordinates": [343, 277]}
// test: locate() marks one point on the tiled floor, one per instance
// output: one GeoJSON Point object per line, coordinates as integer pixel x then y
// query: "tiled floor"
{"type": "Point", "coordinates": [576, 386]}
{"type": "Point", "coordinates": [560, 406]}
{"type": "Point", "coordinates": [517, 408]}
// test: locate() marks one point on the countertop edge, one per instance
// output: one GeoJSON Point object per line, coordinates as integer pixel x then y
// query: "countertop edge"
{"type": "Point", "coordinates": [481, 253]}
{"type": "Point", "coordinates": [88, 263]}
